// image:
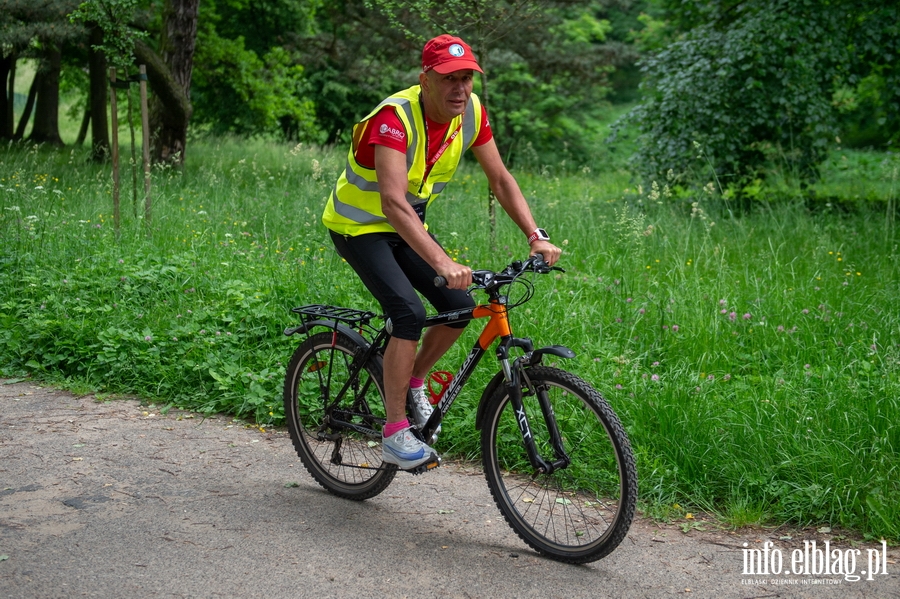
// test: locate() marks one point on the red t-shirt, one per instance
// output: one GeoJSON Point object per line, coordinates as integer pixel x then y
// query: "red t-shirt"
{"type": "Point", "coordinates": [386, 129]}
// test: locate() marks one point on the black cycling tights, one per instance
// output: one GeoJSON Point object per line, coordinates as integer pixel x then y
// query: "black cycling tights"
{"type": "Point", "coordinates": [393, 272]}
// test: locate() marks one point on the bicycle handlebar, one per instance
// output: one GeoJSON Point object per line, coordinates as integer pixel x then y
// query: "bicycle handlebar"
{"type": "Point", "coordinates": [483, 279]}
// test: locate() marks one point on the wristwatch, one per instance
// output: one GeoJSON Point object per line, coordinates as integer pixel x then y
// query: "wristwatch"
{"type": "Point", "coordinates": [538, 234]}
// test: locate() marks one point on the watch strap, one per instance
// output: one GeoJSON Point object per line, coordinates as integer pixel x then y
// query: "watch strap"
{"type": "Point", "coordinates": [538, 234]}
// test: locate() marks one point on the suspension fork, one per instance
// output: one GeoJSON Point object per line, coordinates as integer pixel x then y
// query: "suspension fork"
{"type": "Point", "coordinates": [556, 440]}
{"type": "Point", "coordinates": [517, 379]}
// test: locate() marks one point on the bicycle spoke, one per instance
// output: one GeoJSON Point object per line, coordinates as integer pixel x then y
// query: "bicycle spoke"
{"type": "Point", "coordinates": [576, 513]}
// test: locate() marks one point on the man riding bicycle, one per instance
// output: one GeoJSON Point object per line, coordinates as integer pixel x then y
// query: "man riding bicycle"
{"type": "Point", "coordinates": [402, 156]}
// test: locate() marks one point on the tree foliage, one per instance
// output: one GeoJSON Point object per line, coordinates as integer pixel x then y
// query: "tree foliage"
{"type": "Point", "coordinates": [353, 57]}
{"type": "Point", "coordinates": [249, 79]}
{"type": "Point", "coordinates": [24, 21]}
{"type": "Point", "coordinates": [757, 80]}
{"type": "Point", "coordinates": [308, 69]}
{"type": "Point", "coordinates": [550, 84]}
{"type": "Point", "coordinates": [546, 64]}
{"type": "Point", "coordinates": [113, 18]}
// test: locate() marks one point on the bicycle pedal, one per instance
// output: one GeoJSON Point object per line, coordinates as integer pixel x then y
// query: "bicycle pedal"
{"type": "Point", "coordinates": [425, 467]}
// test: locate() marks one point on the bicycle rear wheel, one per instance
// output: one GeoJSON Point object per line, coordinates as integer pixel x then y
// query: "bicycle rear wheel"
{"type": "Point", "coordinates": [579, 513]}
{"type": "Point", "coordinates": [339, 443]}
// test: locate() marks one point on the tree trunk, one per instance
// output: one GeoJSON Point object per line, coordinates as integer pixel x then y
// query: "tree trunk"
{"type": "Point", "coordinates": [29, 106]}
{"type": "Point", "coordinates": [46, 112]}
{"type": "Point", "coordinates": [170, 107]}
{"type": "Point", "coordinates": [7, 98]}
{"type": "Point", "coordinates": [85, 121]}
{"type": "Point", "coordinates": [98, 97]}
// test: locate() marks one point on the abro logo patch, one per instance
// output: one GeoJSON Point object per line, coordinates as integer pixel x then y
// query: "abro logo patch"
{"type": "Point", "coordinates": [395, 133]}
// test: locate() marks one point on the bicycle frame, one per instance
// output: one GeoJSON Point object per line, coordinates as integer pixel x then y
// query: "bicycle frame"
{"type": "Point", "coordinates": [497, 327]}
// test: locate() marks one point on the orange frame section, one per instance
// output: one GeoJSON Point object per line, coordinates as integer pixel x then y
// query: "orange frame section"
{"type": "Point", "coordinates": [497, 326]}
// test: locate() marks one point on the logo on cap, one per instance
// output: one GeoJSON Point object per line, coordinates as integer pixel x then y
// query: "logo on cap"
{"type": "Point", "coordinates": [456, 50]}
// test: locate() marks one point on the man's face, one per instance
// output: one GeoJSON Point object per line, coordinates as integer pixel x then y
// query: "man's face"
{"type": "Point", "coordinates": [446, 96]}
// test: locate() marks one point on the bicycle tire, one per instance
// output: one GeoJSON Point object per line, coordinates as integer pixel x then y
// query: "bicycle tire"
{"type": "Point", "coordinates": [343, 460]}
{"type": "Point", "coordinates": [577, 514]}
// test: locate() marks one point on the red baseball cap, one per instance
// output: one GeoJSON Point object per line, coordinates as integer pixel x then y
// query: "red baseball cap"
{"type": "Point", "coordinates": [446, 54]}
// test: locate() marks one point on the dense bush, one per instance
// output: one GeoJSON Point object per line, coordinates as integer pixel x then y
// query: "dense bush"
{"type": "Point", "coordinates": [761, 83]}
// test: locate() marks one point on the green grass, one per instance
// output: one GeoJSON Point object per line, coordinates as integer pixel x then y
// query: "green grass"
{"type": "Point", "coordinates": [860, 175]}
{"type": "Point", "coordinates": [754, 360]}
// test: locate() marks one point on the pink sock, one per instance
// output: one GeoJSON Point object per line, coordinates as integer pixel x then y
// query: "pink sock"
{"type": "Point", "coordinates": [415, 383]}
{"type": "Point", "coordinates": [392, 427]}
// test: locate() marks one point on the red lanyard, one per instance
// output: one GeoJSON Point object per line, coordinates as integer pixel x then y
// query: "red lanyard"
{"type": "Point", "coordinates": [440, 152]}
{"type": "Point", "coordinates": [444, 146]}
{"type": "Point", "coordinates": [430, 162]}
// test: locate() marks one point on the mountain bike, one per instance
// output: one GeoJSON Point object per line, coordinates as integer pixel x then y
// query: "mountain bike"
{"type": "Point", "coordinates": [556, 458]}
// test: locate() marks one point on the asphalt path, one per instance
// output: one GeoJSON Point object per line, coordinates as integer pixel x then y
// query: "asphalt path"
{"type": "Point", "coordinates": [112, 499]}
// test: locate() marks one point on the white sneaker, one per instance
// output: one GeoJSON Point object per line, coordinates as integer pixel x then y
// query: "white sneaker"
{"type": "Point", "coordinates": [422, 409]}
{"type": "Point", "coordinates": [406, 451]}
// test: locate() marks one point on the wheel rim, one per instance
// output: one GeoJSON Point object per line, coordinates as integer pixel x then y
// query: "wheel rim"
{"type": "Point", "coordinates": [573, 510]}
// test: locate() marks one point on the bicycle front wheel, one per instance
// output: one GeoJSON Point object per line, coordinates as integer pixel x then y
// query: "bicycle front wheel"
{"type": "Point", "coordinates": [337, 438]}
{"type": "Point", "coordinates": [581, 512]}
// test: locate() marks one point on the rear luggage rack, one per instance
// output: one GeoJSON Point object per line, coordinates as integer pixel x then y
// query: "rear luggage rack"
{"type": "Point", "coordinates": [322, 311]}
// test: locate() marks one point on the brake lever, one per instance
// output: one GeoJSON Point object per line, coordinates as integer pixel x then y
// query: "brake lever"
{"type": "Point", "coordinates": [539, 265]}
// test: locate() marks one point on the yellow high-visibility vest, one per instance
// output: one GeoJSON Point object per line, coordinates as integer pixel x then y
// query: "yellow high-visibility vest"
{"type": "Point", "coordinates": [354, 205]}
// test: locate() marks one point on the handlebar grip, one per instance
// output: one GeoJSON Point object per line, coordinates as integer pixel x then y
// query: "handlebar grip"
{"type": "Point", "coordinates": [440, 281]}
